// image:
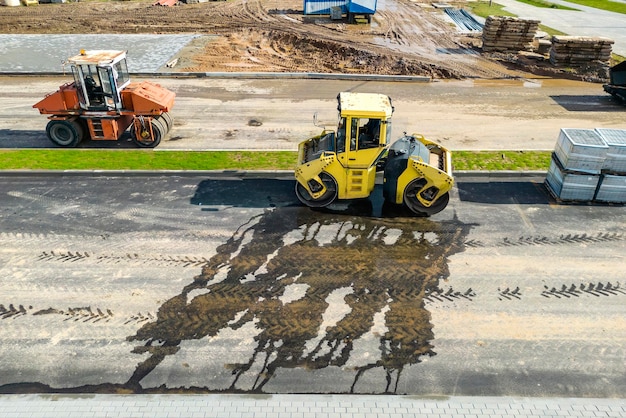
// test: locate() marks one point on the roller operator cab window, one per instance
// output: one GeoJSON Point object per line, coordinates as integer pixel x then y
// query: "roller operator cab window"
{"type": "Point", "coordinates": [364, 133]}
{"type": "Point", "coordinates": [341, 135]}
{"type": "Point", "coordinates": [91, 93]}
{"type": "Point", "coordinates": [120, 73]}
{"type": "Point", "coordinates": [369, 134]}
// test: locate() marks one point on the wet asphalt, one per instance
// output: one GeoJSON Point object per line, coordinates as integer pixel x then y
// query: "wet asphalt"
{"type": "Point", "coordinates": [223, 283]}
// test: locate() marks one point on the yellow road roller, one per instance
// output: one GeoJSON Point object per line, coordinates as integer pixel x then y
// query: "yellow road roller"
{"type": "Point", "coordinates": [342, 164]}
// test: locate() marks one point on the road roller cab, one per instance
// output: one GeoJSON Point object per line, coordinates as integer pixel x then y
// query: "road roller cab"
{"type": "Point", "coordinates": [342, 164]}
{"type": "Point", "coordinates": [102, 103]}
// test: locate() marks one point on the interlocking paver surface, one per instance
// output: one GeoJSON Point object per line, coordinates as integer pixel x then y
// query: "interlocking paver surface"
{"type": "Point", "coordinates": [156, 406]}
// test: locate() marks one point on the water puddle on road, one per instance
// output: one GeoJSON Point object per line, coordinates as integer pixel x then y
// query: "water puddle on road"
{"type": "Point", "coordinates": [530, 83]}
{"type": "Point", "coordinates": [320, 290]}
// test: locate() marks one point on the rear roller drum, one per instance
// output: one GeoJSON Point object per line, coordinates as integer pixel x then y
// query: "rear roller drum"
{"type": "Point", "coordinates": [65, 133]}
{"type": "Point", "coordinates": [326, 199]}
{"type": "Point", "coordinates": [415, 206]}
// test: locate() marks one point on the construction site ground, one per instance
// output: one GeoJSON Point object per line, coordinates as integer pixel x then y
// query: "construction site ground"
{"type": "Point", "coordinates": [404, 38]}
{"type": "Point", "coordinates": [475, 101]}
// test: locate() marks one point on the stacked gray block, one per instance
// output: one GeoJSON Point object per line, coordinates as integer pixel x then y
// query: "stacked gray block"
{"type": "Point", "coordinates": [581, 150]}
{"type": "Point", "coordinates": [578, 51]}
{"type": "Point", "coordinates": [571, 186]}
{"type": "Point", "coordinates": [613, 183]}
{"type": "Point", "coordinates": [589, 165]}
{"type": "Point", "coordinates": [612, 189]}
{"type": "Point", "coordinates": [615, 139]}
{"type": "Point", "coordinates": [509, 34]}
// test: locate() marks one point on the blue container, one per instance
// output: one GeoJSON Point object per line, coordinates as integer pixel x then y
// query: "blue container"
{"type": "Point", "coordinates": [367, 7]}
{"type": "Point", "coordinates": [322, 7]}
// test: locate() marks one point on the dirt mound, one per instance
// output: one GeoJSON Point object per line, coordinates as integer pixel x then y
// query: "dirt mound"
{"type": "Point", "coordinates": [404, 38]}
{"type": "Point", "coordinates": [275, 51]}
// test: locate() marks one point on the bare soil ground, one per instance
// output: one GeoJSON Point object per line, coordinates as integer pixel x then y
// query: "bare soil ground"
{"type": "Point", "coordinates": [405, 37]}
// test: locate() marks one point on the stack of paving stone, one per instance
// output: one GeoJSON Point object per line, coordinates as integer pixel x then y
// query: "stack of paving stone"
{"type": "Point", "coordinates": [577, 51]}
{"type": "Point", "coordinates": [504, 33]}
{"type": "Point", "coordinates": [612, 187]}
{"type": "Point", "coordinates": [589, 165]}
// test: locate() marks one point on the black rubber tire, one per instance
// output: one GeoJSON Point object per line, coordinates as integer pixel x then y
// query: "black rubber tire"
{"type": "Point", "coordinates": [158, 130]}
{"type": "Point", "coordinates": [415, 206]}
{"type": "Point", "coordinates": [325, 200]}
{"type": "Point", "coordinates": [65, 133]}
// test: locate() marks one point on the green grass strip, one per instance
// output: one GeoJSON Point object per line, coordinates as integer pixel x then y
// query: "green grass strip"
{"type": "Point", "coordinates": [144, 160]}
{"type": "Point", "coordinates": [486, 9]}
{"type": "Point", "coordinates": [501, 160]}
{"type": "Point", "coordinates": [82, 159]}
{"type": "Point", "coordinates": [611, 6]}
{"type": "Point", "coordinates": [546, 4]}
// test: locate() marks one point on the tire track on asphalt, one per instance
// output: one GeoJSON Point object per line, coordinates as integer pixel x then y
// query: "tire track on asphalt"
{"type": "Point", "coordinates": [538, 240]}
{"type": "Point", "coordinates": [84, 314]}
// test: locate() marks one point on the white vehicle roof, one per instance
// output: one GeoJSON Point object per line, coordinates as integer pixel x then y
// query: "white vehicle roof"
{"type": "Point", "coordinates": [365, 105]}
{"type": "Point", "coordinates": [97, 57]}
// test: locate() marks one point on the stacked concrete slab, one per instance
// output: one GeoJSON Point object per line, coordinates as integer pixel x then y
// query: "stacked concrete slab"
{"type": "Point", "coordinates": [505, 33]}
{"type": "Point", "coordinates": [589, 165]}
{"type": "Point", "coordinates": [613, 181]}
{"type": "Point", "coordinates": [576, 51]}
{"type": "Point", "coordinates": [615, 139]}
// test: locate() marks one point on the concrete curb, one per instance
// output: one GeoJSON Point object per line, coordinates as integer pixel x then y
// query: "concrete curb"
{"type": "Point", "coordinates": [281, 174]}
{"type": "Point", "coordinates": [242, 76]}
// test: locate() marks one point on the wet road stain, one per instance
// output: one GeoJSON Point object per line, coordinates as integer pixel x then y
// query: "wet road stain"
{"type": "Point", "coordinates": [312, 284]}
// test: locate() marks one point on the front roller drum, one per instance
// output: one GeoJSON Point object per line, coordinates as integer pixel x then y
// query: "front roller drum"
{"type": "Point", "coordinates": [326, 199]}
{"type": "Point", "coordinates": [147, 132]}
{"type": "Point", "coordinates": [414, 205]}
{"type": "Point", "coordinates": [167, 119]}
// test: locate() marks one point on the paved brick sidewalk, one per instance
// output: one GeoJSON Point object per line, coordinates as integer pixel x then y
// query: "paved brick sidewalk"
{"type": "Point", "coordinates": [301, 406]}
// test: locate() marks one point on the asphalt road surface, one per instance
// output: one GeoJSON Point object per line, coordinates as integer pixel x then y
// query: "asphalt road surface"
{"type": "Point", "coordinates": [140, 284]}
{"type": "Point", "coordinates": [276, 114]}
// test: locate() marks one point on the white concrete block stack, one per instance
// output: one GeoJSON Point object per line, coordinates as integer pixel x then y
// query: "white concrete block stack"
{"type": "Point", "coordinates": [589, 165]}
{"type": "Point", "coordinates": [613, 181]}
{"type": "Point", "coordinates": [615, 139]}
{"type": "Point", "coordinates": [581, 150]}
